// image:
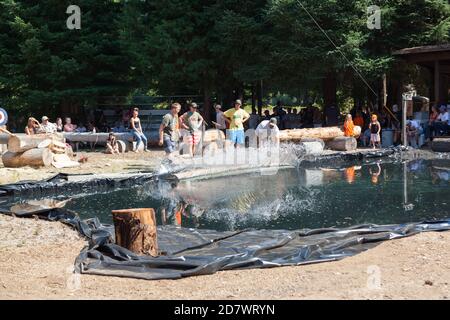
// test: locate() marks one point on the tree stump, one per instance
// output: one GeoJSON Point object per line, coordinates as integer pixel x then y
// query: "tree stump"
{"type": "Point", "coordinates": [135, 230]}
{"type": "Point", "coordinates": [343, 144]}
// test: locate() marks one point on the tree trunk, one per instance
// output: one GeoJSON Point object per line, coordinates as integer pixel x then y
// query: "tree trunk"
{"type": "Point", "coordinates": [207, 105]}
{"type": "Point", "coordinates": [135, 230]}
{"type": "Point", "coordinates": [254, 110]}
{"type": "Point", "coordinates": [19, 144]}
{"type": "Point", "coordinates": [259, 93]}
{"type": "Point", "coordinates": [32, 158]}
{"type": "Point", "coordinates": [329, 90]}
{"type": "Point", "coordinates": [343, 144]}
{"type": "Point", "coordinates": [316, 133]}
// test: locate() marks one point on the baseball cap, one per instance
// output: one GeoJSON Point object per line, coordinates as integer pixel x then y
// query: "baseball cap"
{"type": "Point", "coordinates": [44, 118]}
{"type": "Point", "coordinates": [273, 121]}
{"type": "Point", "coordinates": [239, 102]}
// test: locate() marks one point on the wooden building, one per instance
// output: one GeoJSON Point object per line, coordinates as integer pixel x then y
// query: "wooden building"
{"type": "Point", "coordinates": [437, 60]}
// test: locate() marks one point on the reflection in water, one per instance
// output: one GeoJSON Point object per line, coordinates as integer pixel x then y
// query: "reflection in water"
{"type": "Point", "coordinates": [384, 193]}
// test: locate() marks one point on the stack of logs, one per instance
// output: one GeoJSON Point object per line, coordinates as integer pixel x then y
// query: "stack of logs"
{"type": "Point", "coordinates": [36, 151]}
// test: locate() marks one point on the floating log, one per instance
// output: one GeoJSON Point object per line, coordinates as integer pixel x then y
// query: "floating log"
{"type": "Point", "coordinates": [135, 230]}
{"type": "Point", "coordinates": [343, 144]}
{"type": "Point", "coordinates": [19, 144]}
{"type": "Point", "coordinates": [441, 145]}
{"type": "Point", "coordinates": [32, 158]}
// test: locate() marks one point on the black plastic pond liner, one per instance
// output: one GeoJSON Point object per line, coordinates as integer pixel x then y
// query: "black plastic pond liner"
{"type": "Point", "coordinates": [345, 158]}
{"type": "Point", "coordinates": [192, 252]}
{"type": "Point", "coordinates": [60, 183]}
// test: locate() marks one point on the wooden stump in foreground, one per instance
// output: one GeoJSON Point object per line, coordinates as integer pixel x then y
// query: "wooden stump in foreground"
{"type": "Point", "coordinates": [135, 230]}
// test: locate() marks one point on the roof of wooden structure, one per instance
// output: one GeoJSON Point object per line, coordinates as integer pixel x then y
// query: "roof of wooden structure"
{"type": "Point", "coordinates": [426, 56]}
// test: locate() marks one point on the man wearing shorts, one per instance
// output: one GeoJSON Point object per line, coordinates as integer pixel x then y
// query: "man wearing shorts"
{"type": "Point", "coordinates": [192, 121]}
{"type": "Point", "coordinates": [236, 117]}
{"type": "Point", "coordinates": [169, 130]}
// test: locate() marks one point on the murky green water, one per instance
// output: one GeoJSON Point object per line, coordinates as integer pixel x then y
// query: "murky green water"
{"type": "Point", "coordinates": [292, 199]}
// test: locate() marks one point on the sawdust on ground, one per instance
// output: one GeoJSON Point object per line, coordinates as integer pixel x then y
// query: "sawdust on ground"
{"type": "Point", "coordinates": [37, 260]}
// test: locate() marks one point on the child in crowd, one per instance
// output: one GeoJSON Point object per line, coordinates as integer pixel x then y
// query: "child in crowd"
{"type": "Point", "coordinates": [375, 132]}
{"type": "Point", "coordinates": [112, 147]}
{"type": "Point", "coordinates": [349, 127]}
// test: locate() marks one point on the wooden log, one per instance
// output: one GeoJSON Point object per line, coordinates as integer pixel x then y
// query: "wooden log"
{"type": "Point", "coordinates": [213, 135]}
{"type": "Point", "coordinates": [58, 147]}
{"type": "Point", "coordinates": [32, 158]}
{"type": "Point", "coordinates": [441, 145]}
{"type": "Point", "coordinates": [61, 161]}
{"type": "Point", "coordinates": [297, 135]}
{"type": "Point", "coordinates": [325, 134]}
{"type": "Point", "coordinates": [19, 144]}
{"type": "Point", "coordinates": [343, 144]}
{"type": "Point", "coordinates": [135, 230]}
{"type": "Point", "coordinates": [312, 147]}
{"type": "Point", "coordinates": [122, 146]}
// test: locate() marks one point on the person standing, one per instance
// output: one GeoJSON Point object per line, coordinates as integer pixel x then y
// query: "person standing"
{"type": "Point", "coordinates": [236, 117]}
{"type": "Point", "coordinates": [169, 131]}
{"type": "Point", "coordinates": [192, 121]}
{"type": "Point", "coordinates": [136, 129]}
{"type": "Point", "coordinates": [220, 123]}
{"type": "Point", "coordinates": [375, 131]}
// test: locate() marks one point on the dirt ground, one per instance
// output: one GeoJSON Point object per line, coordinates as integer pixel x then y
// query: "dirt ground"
{"type": "Point", "coordinates": [37, 257]}
{"type": "Point", "coordinates": [97, 163]}
{"type": "Point", "coordinates": [37, 261]}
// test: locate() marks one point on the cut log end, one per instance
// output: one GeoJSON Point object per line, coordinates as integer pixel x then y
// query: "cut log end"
{"type": "Point", "coordinates": [32, 158]}
{"type": "Point", "coordinates": [343, 144]}
{"type": "Point", "coordinates": [135, 230]}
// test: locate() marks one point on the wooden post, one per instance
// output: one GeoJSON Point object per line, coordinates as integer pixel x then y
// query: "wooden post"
{"type": "Point", "coordinates": [437, 83]}
{"type": "Point", "coordinates": [135, 230]}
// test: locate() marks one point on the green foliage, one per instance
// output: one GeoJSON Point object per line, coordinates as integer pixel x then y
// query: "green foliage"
{"type": "Point", "coordinates": [197, 46]}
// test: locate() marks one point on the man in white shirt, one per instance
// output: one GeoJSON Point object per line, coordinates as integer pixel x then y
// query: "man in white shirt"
{"type": "Point", "coordinates": [442, 123]}
{"type": "Point", "coordinates": [268, 133]}
{"type": "Point", "coordinates": [47, 126]}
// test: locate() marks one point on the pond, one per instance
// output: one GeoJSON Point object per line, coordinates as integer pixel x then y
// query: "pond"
{"type": "Point", "coordinates": [383, 193]}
